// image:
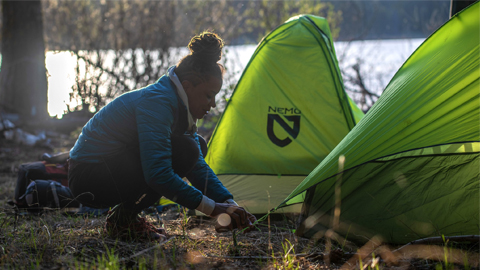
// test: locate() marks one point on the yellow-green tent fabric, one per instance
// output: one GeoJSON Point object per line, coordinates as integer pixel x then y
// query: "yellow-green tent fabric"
{"type": "Point", "coordinates": [287, 112]}
{"type": "Point", "coordinates": [412, 166]}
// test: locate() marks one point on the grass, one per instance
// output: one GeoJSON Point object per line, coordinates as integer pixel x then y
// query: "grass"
{"type": "Point", "coordinates": [57, 240]}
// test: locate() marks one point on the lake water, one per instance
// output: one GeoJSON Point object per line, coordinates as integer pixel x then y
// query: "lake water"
{"type": "Point", "coordinates": [380, 59]}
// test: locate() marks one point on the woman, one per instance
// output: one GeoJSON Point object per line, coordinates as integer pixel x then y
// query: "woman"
{"type": "Point", "coordinates": [139, 146]}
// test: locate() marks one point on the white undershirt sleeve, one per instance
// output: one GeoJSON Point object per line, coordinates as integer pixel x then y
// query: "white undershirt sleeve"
{"type": "Point", "coordinates": [206, 206]}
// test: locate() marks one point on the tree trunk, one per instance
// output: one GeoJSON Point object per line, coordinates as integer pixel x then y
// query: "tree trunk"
{"type": "Point", "coordinates": [458, 5]}
{"type": "Point", "coordinates": [23, 80]}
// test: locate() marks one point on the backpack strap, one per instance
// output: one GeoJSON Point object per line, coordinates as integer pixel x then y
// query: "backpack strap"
{"type": "Point", "coordinates": [55, 195]}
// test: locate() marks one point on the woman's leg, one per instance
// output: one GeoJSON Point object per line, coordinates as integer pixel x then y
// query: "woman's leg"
{"type": "Point", "coordinates": [117, 181]}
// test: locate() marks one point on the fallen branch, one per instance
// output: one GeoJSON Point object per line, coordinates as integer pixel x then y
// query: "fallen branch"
{"type": "Point", "coordinates": [441, 240]}
{"type": "Point", "coordinates": [438, 253]}
{"type": "Point", "coordinates": [317, 256]}
{"type": "Point", "coordinates": [246, 257]}
{"type": "Point", "coordinates": [301, 255]}
{"type": "Point", "coordinates": [146, 250]}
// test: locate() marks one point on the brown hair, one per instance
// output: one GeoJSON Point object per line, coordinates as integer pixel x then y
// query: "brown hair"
{"type": "Point", "coordinates": [202, 62]}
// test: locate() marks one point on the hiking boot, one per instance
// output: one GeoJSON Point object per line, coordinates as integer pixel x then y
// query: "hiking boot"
{"type": "Point", "coordinates": [149, 224]}
{"type": "Point", "coordinates": [138, 229]}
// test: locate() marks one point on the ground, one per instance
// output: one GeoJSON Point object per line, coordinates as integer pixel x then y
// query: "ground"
{"type": "Point", "coordinates": [58, 239]}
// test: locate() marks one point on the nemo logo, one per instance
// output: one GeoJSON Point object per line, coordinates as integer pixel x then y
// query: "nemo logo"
{"type": "Point", "coordinates": [281, 116]}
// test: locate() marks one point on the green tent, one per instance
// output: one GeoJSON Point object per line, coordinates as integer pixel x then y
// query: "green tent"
{"type": "Point", "coordinates": [287, 112]}
{"type": "Point", "coordinates": [412, 164]}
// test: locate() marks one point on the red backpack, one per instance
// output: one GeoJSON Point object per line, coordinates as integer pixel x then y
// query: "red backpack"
{"type": "Point", "coordinates": [44, 184]}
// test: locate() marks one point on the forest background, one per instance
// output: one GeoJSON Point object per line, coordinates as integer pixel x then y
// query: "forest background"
{"type": "Point", "coordinates": [124, 45]}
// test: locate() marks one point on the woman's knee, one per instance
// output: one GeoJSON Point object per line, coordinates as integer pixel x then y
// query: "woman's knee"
{"type": "Point", "coordinates": [87, 184]}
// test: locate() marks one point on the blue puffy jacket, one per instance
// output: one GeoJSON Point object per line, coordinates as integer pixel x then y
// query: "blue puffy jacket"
{"type": "Point", "coordinates": [144, 118]}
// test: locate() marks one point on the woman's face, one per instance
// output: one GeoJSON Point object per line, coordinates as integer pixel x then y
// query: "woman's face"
{"type": "Point", "coordinates": [201, 98]}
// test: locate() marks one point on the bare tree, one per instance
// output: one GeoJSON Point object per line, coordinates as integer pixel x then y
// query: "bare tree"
{"type": "Point", "coordinates": [264, 16]}
{"type": "Point", "coordinates": [354, 77]}
{"type": "Point", "coordinates": [368, 66]}
{"type": "Point", "coordinates": [124, 45]}
{"type": "Point", "coordinates": [119, 46]}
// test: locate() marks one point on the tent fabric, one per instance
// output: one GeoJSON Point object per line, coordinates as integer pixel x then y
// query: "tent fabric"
{"type": "Point", "coordinates": [411, 166]}
{"type": "Point", "coordinates": [287, 112]}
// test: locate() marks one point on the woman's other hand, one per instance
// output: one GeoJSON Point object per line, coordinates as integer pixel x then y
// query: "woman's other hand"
{"type": "Point", "coordinates": [231, 216]}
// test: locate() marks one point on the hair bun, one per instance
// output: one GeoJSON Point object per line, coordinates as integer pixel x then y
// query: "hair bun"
{"type": "Point", "coordinates": [206, 46]}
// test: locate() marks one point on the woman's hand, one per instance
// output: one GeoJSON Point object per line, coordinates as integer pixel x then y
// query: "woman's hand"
{"type": "Point", "coordinates": [231, 216]}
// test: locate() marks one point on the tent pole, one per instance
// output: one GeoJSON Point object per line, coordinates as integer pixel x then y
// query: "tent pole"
{"type": "Point", "coordinates": [305, 210]}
